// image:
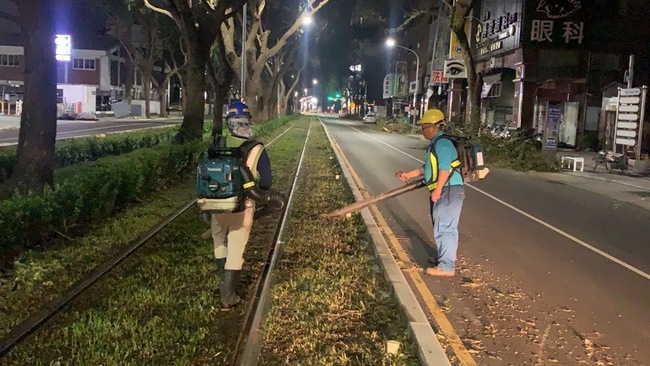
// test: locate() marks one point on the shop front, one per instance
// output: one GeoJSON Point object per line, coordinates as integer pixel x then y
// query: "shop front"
{"type": "Point", "coordinates": [569, 98]}
{"type": "Point", "coordinates": [534, 58]}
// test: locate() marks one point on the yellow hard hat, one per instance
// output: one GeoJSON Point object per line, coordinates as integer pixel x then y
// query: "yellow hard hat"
{"type": "Point", "coordinates": [432, 116]}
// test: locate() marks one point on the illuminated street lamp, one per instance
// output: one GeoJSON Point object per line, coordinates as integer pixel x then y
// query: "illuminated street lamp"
{"type": "Point", "coordinates": [390, 42]}
{"type": "Point", "coordinates": [315, 82]}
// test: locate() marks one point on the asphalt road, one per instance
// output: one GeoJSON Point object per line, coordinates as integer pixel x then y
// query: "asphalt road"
{"type": "Point", "coordinates": [569, 287]}
{"type": "Point", "coordinates": [73, 129]}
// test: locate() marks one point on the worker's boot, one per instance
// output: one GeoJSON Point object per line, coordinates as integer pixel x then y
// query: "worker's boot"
{"type": "Point", "coordinates": [228, 287]}
{"type": "Point", "coordinates": [221, 264]}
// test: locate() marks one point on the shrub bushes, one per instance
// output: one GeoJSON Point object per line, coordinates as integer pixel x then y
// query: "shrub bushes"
{"type": "Point", "coordinates": [85, 194]}
{"type": "Point", "coordinates": [513, 153]}
{"type": "Point", "coordinates": [400, 125]}
{"type": "Point", "coordinates": [88, 193]}
{"type": "Point", "coordinates": [73, 151]}
{"type": "Point", "coordinates": [517, 152]}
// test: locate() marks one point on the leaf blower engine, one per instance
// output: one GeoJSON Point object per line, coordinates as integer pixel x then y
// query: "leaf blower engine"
{"type": "Point", "coordinates": [224, 181]}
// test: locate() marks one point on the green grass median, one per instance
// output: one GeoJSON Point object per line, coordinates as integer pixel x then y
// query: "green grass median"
{"type": "Point", "coordinates": [331, 305]}
{"type": "Point", "coordinates": [159, 306]}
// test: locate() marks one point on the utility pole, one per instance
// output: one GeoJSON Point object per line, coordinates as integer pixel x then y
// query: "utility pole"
{"type": "Point", "coordinates": [629, 77]}
{"type": "Point", "coordinates": [435, 48]}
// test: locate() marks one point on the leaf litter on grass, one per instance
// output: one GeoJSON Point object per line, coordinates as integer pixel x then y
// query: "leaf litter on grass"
{"type": "Point", "coordinates": [329, 305]}
{"type": "Point", "coordinates": [160, 305]}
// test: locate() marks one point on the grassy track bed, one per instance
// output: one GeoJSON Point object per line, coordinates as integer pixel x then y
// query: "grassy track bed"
{"type": "Point", "coordinates": [161, 304]}
{"type": "Point", "coordinates": [331, 305]}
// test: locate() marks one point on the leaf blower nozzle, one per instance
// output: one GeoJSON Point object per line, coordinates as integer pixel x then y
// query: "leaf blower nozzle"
{"type": "Point", "coordinates": [275, 200]}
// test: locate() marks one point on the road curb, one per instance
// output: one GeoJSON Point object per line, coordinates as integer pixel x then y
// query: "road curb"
{"type": "Point", "coordinates": [429, 348]}
{"type": "Point", "coordinates": [588, 176]}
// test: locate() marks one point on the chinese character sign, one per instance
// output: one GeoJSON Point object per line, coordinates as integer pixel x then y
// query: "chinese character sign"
{"type": "Point", "coordinates": [438, 77]}
{"type": "Point", "coordinates": [542, 31]}
{"type": "Point", "coordinates": [558, 23]}
{"type": "Point", "coordinates": [573, 32]}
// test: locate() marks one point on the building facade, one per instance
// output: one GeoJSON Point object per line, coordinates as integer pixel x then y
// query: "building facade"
{"type": "Point", "coordinates": [549, 56]}
{"type": "Point", "coordinates": [90, 82]}
{"type": "Point", "coordinates": [535, 57]}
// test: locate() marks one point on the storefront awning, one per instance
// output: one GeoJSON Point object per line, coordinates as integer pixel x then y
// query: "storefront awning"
{"type": "Point", "coordinates": [491, 79]}
{"type": "Point", "coordinates": [488, 81]}
{"type": "Point", "coordinates": [486, 89]}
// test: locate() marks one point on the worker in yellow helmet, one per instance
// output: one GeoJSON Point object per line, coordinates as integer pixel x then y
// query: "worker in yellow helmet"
{"type": "Point", "coordinates": [445, 184]}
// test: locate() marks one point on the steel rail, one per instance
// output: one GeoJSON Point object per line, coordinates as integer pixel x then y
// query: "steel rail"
{"type": "Point", "coordinates": [35, 321]}
{"type": "Point", "coordinates": [261, 295]}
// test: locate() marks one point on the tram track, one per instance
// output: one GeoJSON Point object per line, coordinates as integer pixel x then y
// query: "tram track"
{"type": "Point", "coordinates": [256, 297]}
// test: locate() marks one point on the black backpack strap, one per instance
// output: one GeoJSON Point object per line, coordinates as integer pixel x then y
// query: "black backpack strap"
{"type": "Point", "coordinates": [246, 147]}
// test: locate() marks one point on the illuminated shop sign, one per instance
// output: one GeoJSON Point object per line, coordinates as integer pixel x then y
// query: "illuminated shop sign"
{"type": "Point", "coordinates": [63, 44]}
{"type": "Point", "coordinates": [499, 28]}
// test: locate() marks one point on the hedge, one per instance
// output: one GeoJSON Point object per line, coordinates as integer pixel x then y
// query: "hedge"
{"type": "Point", "coordinates": [78, 150]}
{"type": "Point", "coordinates": [86, 194]}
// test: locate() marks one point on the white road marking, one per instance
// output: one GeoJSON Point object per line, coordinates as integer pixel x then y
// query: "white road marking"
{"type": "Point", "coordinates": [526, 214]}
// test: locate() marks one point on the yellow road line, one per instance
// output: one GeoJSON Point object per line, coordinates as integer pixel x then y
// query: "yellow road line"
{"type": "Point", "coordinates": [464, 357]}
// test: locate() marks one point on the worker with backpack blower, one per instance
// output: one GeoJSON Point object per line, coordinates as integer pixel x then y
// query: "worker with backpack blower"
{"type": "Point", "coordinates": [444, 179]}
{"type": "Point", "coordinates": [232, 181]}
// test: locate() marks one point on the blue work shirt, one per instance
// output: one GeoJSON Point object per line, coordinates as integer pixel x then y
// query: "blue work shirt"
{"type": "Point", "coordinates": [446, 154]}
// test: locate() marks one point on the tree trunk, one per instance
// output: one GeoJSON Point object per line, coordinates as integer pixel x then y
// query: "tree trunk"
{"type": "Point", "coordinates": [257, 107]}
{"type": "Point", "coordinates": [474, 80]}
{"type": "Point", "coordinates": [35, 156]}
{"type": "Point", "coordinates": [181, 81]}
{"type": "Point", "coordinates": [219, 97]}
{"type": "Point", "coordinates": [475, 84]}
{"type": "Point", "coordinates": [268, 102]}
{"type": "Point", "coordinates": [147, 94]}
{"type": "Point", "coordinates": [221, 76]}
{"type": "Point", "coordinates": [162, 97]}
{"type": "Point", "coordinates": [128, 83]}
{"type": "Point", "coordinates": [194, 97]}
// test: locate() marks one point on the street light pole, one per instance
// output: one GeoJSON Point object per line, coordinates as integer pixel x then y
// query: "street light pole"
{"type": "Point", "coordinates": [417, 82]}
{"type": "Point", "coordinates": [243, 51]}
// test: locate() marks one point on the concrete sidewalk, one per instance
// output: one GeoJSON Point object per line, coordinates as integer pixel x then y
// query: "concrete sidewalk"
{"type": "Point", "coordinates": [638, 181]}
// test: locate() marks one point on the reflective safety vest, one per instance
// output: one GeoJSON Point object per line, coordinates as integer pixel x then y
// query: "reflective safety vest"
{"type": "Point", "coordinates": [432, 181]}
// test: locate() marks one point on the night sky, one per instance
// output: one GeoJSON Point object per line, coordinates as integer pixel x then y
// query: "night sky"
{"type": "Point", "coordinates": [343, 44]}
{"type": "Point", "coordinates": [338, 46]}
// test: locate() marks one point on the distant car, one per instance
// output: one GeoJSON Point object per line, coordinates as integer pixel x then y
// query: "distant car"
{"type": "Point", "coordinates": [370, 118]}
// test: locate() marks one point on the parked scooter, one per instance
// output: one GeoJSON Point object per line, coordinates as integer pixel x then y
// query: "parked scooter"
{"type": "Point", "coordinates": [611, 160]}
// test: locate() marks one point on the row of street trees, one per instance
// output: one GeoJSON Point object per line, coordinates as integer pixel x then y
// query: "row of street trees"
{"type": "Point", "coordinates": [460, 15]}
{"type": "Point", "coordinates": [197, 41]}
